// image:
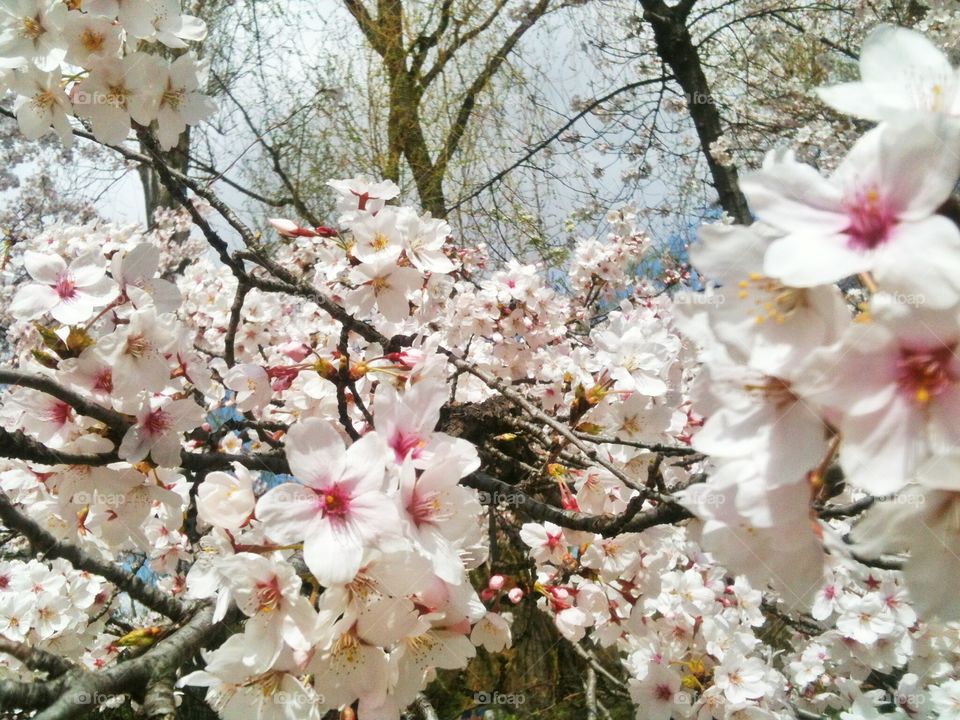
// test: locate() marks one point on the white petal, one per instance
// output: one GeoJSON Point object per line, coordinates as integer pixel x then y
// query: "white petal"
{"type": "Point", "coordinates": [332, 553]}
{"type": "Point", "coordinates": [288, 511]}
{"type": "Point", "coordinates": [809, 259]}
{"type": "Point", "coordinates": [315, 453]}
{"type": "Point", "coordinates": [74, 311]}
{"type": "Point", "coordinates": [894, 55]}
{"type": "Point", "coordinates": [43, 267]}
{"type": "Point", "coordinates": [32, 301]}
{"type": "Point", "coordinates": [921, 263]}
{"type": "Point", "coordinates": [88, 269]}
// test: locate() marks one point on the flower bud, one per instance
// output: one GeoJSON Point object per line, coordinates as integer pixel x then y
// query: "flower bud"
{"type": "Point", "coordinates": [296, 351]}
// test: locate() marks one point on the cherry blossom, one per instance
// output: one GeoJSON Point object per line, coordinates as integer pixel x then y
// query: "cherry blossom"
{"type": "Point", "coordinates": [341, 502]}
{"type": "Point", "coordinates": [135, 271]}
{"type": "Point", "coordinates": [179, 101]}
{"type": "Point", "coordinates": [901, 72]}
{"type": "Point", "coordinates": [41, 103]}
{"type": "Point", "coordinates": [70, 293]}
{"type": "Point", "coordinates": [30, 32]}
{"type": "Point", "coordinates": [226, 501]}
{"type": "Point", "coordinates": [874, 214]}
{"type": "Point", "coordinates": [91, 39]}
{"type": "Point", "coordinates": [251, 385]}
{"type": "Point", "coordinates": [160, 421]}
{"type": "Point", "coordinates": [382, 284]}
{"type": "Point", "coordinates": [116, 91]}
{"type": "Point", "coordinates": [890, 386]}
{"type": "Point", "coordinates": [361, 194]}
{"type": "Point", "coordinates": [308, 476]}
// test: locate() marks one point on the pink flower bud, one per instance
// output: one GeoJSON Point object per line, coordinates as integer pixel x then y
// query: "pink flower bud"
{"type": "Point", "coordinates": [515, 595]}
{"type": "Point", "coordinates": [487, 594]}
{"type": "Point", "coordinates": [296, 351]}
{"type": "Point", "coordinates": [281, 378]}
{"type": "Point", "coordinates": [495, 582]}
{"type": "Point", "coordinates": [288, 228]}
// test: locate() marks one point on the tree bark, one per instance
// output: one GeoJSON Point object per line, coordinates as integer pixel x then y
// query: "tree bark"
{"type": "Point", "coordinates": [676, 48]}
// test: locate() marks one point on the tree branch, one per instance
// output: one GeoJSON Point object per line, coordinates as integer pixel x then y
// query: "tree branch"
{"type": "Point", "coordinates": [35, 658]}
{"type": "Point", "coordinates": [446, 53]}
{"type": "Point", "coordinates": [490, 69]}
{"type": "Point", "coordinates": [677, 50]}
{"type": "Point", "coordinates": [605, 525]}
{"type": "Point", "coordinates": [112, 419]}
{"type": "Point", "coordinates": [530, 152]}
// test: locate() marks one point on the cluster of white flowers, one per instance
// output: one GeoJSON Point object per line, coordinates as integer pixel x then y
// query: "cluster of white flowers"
{"type": "Point", "coordinates": [89, 60]}
{"type": "Point", "coordinates": [50, 606]}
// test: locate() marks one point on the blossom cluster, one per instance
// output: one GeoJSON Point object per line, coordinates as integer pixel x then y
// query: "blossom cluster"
{"type": "Point", "coordinates": [50, 605]}
{"type": "Point", "coordinates": [796, 381]}
{"type": "Point", "coordinates": [828, 341]}
{"type": "Point", "coordinates": [91, 61]}
{"type": "Point", "coordinates": [369, 475]}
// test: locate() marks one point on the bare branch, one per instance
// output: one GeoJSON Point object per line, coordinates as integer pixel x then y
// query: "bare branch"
{"type": "Point", "coordinates": [533, 150]}
{"type": "Point", "coordinates": [366, 23]}
{"type": "Point", "coordinates": [446, 53]}
{"type": "Point", "coordinates": [678, 51]}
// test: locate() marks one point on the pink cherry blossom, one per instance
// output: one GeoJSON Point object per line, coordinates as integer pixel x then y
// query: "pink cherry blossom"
{"type": "Point", "coordinates": [157, 431]}
{"type": "Point", "coordinates": [876, 213]}
{"type": "Point", "coordinates": [70, 293]}
{"type": "Point", "coordinates": [340, 507]}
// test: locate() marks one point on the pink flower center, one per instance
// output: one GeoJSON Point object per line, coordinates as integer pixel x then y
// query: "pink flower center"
{"type": "Point", "coordinates": [59, 413]}
{"type": "Point", "coordinates": [404, 444]}
{"type": "Point", "coordinates": [64, 287]}
{"type": "Point", "coordinates": [871, 220]}
{"type": "Point", "coordinates": [663, 692]}
{"type": "Point", "coordinates": [156, 421]}
{"type": "Point", "coordinates": [334, 501]}
{"type": "Point", "coordinates": [924, 373]}
{"type": "Point", "coordinates": [424, 508]}
{"type": "Point", "coordinates": [104, 381]}
{"type": "Point", "coordinates": [362, 199]}
{"type": "Point", "coordinates": [269, 596]}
